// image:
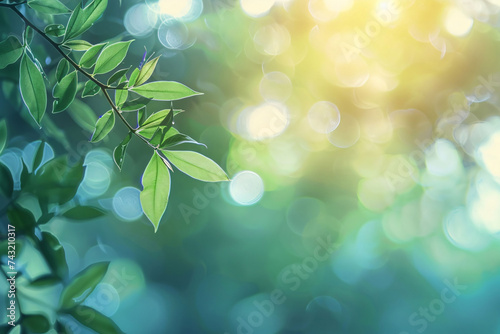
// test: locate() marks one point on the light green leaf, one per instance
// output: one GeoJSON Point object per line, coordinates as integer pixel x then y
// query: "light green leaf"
{"type": "Point", "coordinates": [165, 91]}
{"type": "Point", "coordinates": [196, 165]}
{"type": "Point", "coordinates": [94, 320]}
{"type": "Point", "coordinates": [83, 115]}
{"type": "Point", "coordinates": [10, 51]}
{"type": "Point", "coordinates": [162, 129]}
{"type": "Point", "coordinates": [28, 35]}
{"type": "Point", "coordinates": [149, 126]}
{"type": "Point", "coordinates": [156, 183]}
{"type": "Point", "coordinates": [3, 134]}
{"type": "Point", "coordinates": [83, 213]}
{"type": "Point", "coordinates": [133, 78]}
{"type": "Point", "coordinates": [103, 126]}
{"type": "Point", "coordinates": [90, 89]}
{"type": "Point", "coordinates": [135, 104]}
{"type": "Point", "coordinates": [83, 18]}
{"type": "Point", "coordinates": [146, 71]}
{"type": "Point", "coordinates": [48, 6]}
{"type": "Point", "coordinates": [90, 56]}
{"type": "Point", "coordinates": [179, 139]}
{"type": "Point", "coordinates": [83, 284]}
{"type": "Point", "coordinates": [121, 95]}
{"type": "Point", "coordinates": [111, 57]}
{"type": "Point", "coordinates": [32, 88]}
{"type": "Point", "coordinates": [141, 116]}
{"type": "Point", "coordinates": [65, 92]}
{"type": "Point", "coordinates": [78, 45]}
{"type": "Point", "coordinates": [62, 69]}
{"type": "Point", "coordinates": [118, 75]}
{"type": "Point", "coordinates": [56, 30]}
{"type": "Point", "coordinates": [120, 150]}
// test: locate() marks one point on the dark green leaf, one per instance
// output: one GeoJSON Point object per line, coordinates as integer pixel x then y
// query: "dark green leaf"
{"type": "Point", "coordinates": [103, 126]}
{"type": "Point", "coordinates": [82, 285]}
{"type": "Point", "coordinates": [83, 115]}
{"type": "Point", "coordinates": [146, 71]}
{"type": "Point", "coordinates": [141, 116]}
{"type": "Point", "coordinates": [133, 78]}
{"type": "Point", "coordinates": [78, 45]}
{"type": "Point", "coordinates": [117, 76]}
{"type": "Point", "coordinates": [120, 150]}
{"type": "Point", "coordinates": [165, 91]}
{"type": "Point", "coordinates": [36, 323]}
{"type": "Point", "coordinates": [10, 51]}
{"type": "Point", "coordinates": [83, 18]}
{"type": "Point", "coordinates": [45, 281]}
{"type": "Point", "coordinates": [65, 92]}
{"type": "Point", "coordinates": [21, 218]}
{"type": "Point", "coordinates": [111, 57]}
{"type": "Point", "coordinates": [54, 254]}
{"type": "Point", "coordinates": [90, 89]}
{"type": "Point", "coordinates": [94, 320]}
{"type": "Point", "coordinates": [38, 156]}
{"type": "Point", "coordinates": [62, 69]}
{"type": "Point", "coordinates": [156, 189]}
{"type": "Point", "coordinates": [32, 88]}
{"type": "Point", "coordinates": [196, 165]}
{"type": "Point", "coordinates": [83, 213]}
{"type": "Point", "coordinates": [163, 128]}
{"type": "Point", "coordinates": [3, 135]}
{"type": "Point", "coordinates": [56, 30]}
{"type": "Point", "coordinates": [90, 56]}
{"type": "Point", "coordinates": [6, 182]}
{"type": "Point", "coordinates": [48, 6]}
{"type": "Point", "coordinates": [178, 139]}
{"type": "Point", "coordinates": [135, 104]}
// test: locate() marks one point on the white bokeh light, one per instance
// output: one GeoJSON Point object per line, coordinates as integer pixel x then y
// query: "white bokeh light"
{"type": "Point", "coordinates": [246, 188]}
{"type": "Point", "coordinates": [257, 8]}
{"type": "Point", "coordinates": [175, 8]}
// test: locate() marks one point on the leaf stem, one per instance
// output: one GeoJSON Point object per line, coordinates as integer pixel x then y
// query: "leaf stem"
{"type": "Point", "coordinates": [77, 67]}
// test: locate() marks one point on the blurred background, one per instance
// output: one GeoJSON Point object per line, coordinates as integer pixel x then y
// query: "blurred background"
{"type": "Point", "coordinates": [362, 139]}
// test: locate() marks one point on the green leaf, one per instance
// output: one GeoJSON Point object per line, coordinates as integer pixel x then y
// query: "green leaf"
{"type": "Point", "coordinates": [54, 254]}
{"type": "Point", "coordinates": [64, 92]}
{"type": "Point", "coordinates": [83, 115]}
{"type": "Point", "coordinates": [163, 128]}
{"type": "Point", "coordinates": [121, 95]}
{"type": "Point", "coordinates": [32, 88]}
{"type": "Point", "coordinates": [90, 56]}
{"type": "Point", "coordinates": [90, 89]}
{"type": "Point", "coordinates": [45, 281]}
{"type": "Point", "coordinates": [135, 104]}
{"type": "Point", "coordinates": [83, 284]}
{"type": "Point", "coordinates": [56, 30]}
{"type": "Point", "coordinates": [83, 18]}
{"type": "Point", "coordinates": [38, 156]}
{"type": "Point", "coordinates": [146, 71]}
{"type": "Point", "coordinates": [95, 320]}
{"type": "Point", "coordinates": [78, 45]}
{"type": "Point", "coordinates": [120, 150]}
{"type": "Point", "coordinates": [36, 323]}
{"type": "Point", "coordinates": [179, 139]}
{"type": "Point", "coordinates": [62, 69]}
{"type": "Point", "coordinates": [164, 91]}
{"type": "Point", "coordinates": [10, 51]}
{"type": "Point", "coordinates": [28, 36]}
{"type": "Point", "coordinates": [133, 78]}
{"type": "Point", "coordinates": [156, 183]}
{"type": "Point", "coordinates": [16, 330]}
{"type": "Point", "coordinates": [103, 126]}
{"type": "Point", "coordinates": [111, 57]}
{"type": "Point", "coordinates": [149, 126]}
{"type": "Point", "coordinates": [141, 116]}
{"type": "Point", "coordinates": [6, 182]}
{"type": "Point", "coordinates": [83, 213]}
{"type": "Point", "coordinates": [48, 6]}
{"type": "Point", "coordinates": [118, 75]}
{"type": "Point", "coordinates": [3, 134]}
{"type": "Point", "coordinates": [22, 218]}
{"type": "Point", "coordinates": [196, 165]}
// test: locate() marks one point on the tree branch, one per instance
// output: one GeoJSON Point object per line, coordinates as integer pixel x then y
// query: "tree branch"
{"type": "Point", "coordinates": [77, 67]}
